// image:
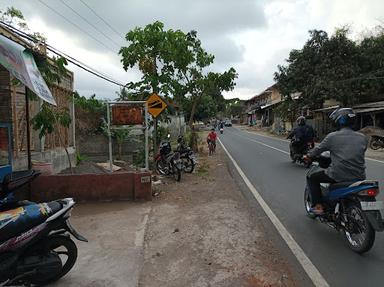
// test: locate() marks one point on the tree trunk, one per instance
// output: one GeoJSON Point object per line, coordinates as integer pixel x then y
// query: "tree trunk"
{"type": "Point", "coordinates": [194, 105]}
{"type": "Point", "coordinates": [120, 153]}
{"type": "Point", "coordinates": [194, 143]}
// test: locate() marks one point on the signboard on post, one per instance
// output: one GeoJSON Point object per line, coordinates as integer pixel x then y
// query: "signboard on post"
{"type": "Point", "coordinates": [155, 105]}
{"type": "Point", "coordinates": [127, 115]}
{"type": "Point", "coordinates": [21, 64]}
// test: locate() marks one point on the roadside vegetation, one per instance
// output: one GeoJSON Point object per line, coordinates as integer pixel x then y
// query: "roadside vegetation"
{"type": "Point", "coordinates": [332, 67]}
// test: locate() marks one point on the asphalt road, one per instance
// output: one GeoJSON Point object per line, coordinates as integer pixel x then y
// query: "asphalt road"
{"type": "Point", "coordinates": [266, 163]}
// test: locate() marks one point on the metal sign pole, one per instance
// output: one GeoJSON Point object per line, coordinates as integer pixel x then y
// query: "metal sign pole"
{"type": "Point", "coordinates": [146, 137]}
{"type": "Point", "coordinates": [109, 138]}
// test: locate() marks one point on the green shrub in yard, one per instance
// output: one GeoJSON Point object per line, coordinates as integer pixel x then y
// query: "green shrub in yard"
{"type": "Point", "coordinates": [80, 158]}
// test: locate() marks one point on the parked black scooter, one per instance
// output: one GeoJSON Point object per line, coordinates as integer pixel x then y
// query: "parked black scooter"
{"type": "Point", "coordinates": [35, 243]}
{"type": "Point", "coordinates": [167, 161]}
{"type": "Point", "coordinates": [377, 142]}
{"type": "Point", "coordinates": [186, 155]}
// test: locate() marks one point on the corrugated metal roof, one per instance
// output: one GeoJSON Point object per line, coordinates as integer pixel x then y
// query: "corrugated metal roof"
{"type": "Point", "coordinates": [368, 110]}
{"type": "Point", "coordinates": [379, 104]}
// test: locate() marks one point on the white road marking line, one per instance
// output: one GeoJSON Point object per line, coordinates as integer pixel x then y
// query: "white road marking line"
{"type": "Point", "coordinates": [140, 230]}
{"type": "Point", "coordinates": [306, 263]}
{"type": "Point", "coordinates": [275, 138]}
{"type": "Point", "coordinates": [375, 160]}
{"type": "Point", "coordinates": [264, 144]}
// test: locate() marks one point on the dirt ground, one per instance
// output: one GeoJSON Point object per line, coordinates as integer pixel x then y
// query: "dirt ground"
{"type": "Point", "coordinates": [203, 232]}
{"type": "Point", "coordinates": [113, 257]}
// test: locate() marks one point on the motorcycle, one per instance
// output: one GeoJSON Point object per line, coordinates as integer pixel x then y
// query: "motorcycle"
{"type": "Point", "coordinates": [221, 130]}
{"type": "Point", "coordinates": [35, 243]}
{"type": "Point", "coordinates": [297, 153]}
{"type": "Point", "coordinates": [186, 155]}
{"type": "Point", "coordinates": [377, 142]}
{"type": "Point", "coordinates": [349, 207]}
{"type": "Point", "coordinates": [168, 162]}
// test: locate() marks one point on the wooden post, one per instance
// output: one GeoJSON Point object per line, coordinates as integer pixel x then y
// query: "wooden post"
{"type": "Point", "coordinates": [155, 139]}
{"type": "Point", "coordinates": [15, 122]}
{"type": "Point", "coordinates": [28, 129]}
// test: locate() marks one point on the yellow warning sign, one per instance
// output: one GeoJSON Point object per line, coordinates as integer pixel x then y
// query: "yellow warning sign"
{"type": "Point", "coordinates": [155, 105]}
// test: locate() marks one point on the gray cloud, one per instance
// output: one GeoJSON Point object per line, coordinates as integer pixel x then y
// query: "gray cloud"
{"type": "Point", "coordinates": [254, 36]}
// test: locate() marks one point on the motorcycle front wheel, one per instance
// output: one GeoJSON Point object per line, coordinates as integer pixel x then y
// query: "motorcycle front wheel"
{"type": "Point", "coordinates": [161, 167]}
{"type": "Point", "coordinates": [66, 249]}
{"type": "Point", "coordinates": [358, 232]}
{"type": "Point", "coordinates": [176, 173]}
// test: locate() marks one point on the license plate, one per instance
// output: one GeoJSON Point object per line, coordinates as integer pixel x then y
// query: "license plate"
{"type": "Point", "coordinates": [372, 205]}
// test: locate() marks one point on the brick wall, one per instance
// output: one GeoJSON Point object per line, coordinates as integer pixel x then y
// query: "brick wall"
{"type": "Point", "coordinates": [93, 187]}
{"type": "Point", "coordinates": [3, 139]}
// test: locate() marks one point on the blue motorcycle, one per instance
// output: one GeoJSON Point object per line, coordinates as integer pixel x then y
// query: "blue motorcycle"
{"type": "Point", "coordinates": [349, 207]}
{"type": "Point", "coordinates": [35, 243]}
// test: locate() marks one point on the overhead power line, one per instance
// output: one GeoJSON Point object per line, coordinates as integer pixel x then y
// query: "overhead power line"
{"type": "Point", "coordinates": [89, 23]}
{"type": "Point", "coordinates": [102, 19]}
{"type": "Point", "coordinates": [75, 25]}
{"type": "Point", "coordinates": [70, 59]}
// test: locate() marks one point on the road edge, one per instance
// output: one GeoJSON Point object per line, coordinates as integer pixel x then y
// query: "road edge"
{"type": "Point", "coordinates": [307, 265]}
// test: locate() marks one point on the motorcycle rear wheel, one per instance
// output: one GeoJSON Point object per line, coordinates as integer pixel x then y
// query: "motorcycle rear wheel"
{"type": "Point", "coordinates": [308, 203]}
{"type": "Point", "coordinates": [375, 144]}
{"type": "Point", "coordinates": [189, 165]}
{"type": "Point", "coordinates": [62, 246]}
{"type": "Point", "coordinates": [359, 233]}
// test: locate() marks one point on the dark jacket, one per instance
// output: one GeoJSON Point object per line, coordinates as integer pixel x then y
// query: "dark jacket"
{"type": "Point", "coordinates": [347, 149]}
{"type": "Point", "coordinates": [302, 134]}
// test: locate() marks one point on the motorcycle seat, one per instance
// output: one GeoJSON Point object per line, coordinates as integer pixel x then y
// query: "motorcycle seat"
{"type": "Point", "coordinates": [338, 185]}
{"type": "Point", "coordinates": [14, 222]}
{"type": "Point", "coordinates": [17, 179]}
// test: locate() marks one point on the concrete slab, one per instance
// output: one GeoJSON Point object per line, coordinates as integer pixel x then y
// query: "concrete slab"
{"type": "Point", "coordinates": [114, 254]}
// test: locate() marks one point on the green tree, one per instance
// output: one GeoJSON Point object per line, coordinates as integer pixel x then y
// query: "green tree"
{"type": "Point", "coordinates": [320, 71]}
{"type": "Point", "coordinates": [173, 63]}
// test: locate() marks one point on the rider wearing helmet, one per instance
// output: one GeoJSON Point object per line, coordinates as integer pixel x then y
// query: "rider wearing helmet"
{"type": "Point", "coordinates": [301, 135]}
{"type": "Point", "coordinates": [347, 149]}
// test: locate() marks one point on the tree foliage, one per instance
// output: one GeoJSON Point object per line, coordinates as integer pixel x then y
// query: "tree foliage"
{"type": "Point", "coordinates": [173, 63]}
{"type": "Point", "coordinates": [334, 67]}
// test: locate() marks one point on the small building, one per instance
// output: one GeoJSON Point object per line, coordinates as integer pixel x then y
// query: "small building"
{"type": "Point", "coordinates": [367, 115]}
{"type": "Point", "coordinates": [13, 120]}
{"type": "Point", "coordinates": [260, 108]}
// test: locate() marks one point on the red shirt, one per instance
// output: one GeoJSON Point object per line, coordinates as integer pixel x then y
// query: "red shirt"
{"type": "Point", "coordinates": [212, 136]}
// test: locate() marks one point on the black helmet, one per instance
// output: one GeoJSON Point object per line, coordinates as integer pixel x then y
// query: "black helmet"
{"type": "Point", "coordinates": [343, 117]}
{"type": "Point", "coordinates": [212, 129]}
{"type": "Point", "coordinates": [301, 121]}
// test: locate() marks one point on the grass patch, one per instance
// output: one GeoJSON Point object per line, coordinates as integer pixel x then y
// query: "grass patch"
{"type": "Point", "coordinates": [203, 167]}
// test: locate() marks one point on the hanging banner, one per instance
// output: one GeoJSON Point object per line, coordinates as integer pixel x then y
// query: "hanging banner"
{"type": "Point", "coordinates": [21, 64]}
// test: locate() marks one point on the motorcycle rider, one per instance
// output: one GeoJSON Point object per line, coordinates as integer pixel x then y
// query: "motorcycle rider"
{"type": "Point", "coordinates": [301, 135]}
{"type": "Point", "coordinates": [347, 149]}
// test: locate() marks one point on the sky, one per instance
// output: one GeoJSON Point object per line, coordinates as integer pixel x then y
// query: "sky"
{"type": "Point", "coordinates": [253, 36]}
